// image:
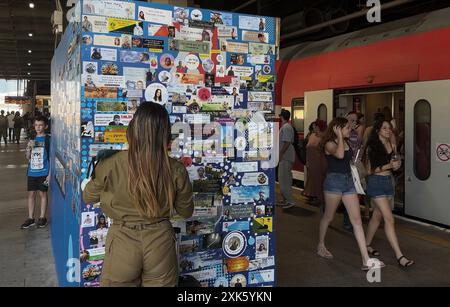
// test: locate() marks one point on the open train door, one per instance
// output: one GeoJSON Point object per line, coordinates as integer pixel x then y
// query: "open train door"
{"type": "Point", "coordinates": [427, 151]}
{"type": "Point", "coordinates": [318, 104]}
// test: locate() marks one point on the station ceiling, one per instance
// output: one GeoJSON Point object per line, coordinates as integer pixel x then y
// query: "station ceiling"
{"type": "Point", "coordinates": [18, 22]}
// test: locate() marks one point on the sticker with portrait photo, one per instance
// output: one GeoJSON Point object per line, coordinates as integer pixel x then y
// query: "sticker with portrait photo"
{"type": "Point", "coordinates": [135, 78]}
{"type": "Point", "coordinates": [157, 92]}
{"type": "Point", "coordinates": [167, 61]}
{"type": "Point", "coordinates": [88, 219]}
{"type": "Point", "coordinates": [259, 37]}
{"type": "Point", "coordinates": [181, 14]}
{"type": "Point", "coordinates": [165, 77]}
{"type": "Point", "coordinates": [132, 105]}
{"type": "Point", "coordinates": [236, 226]}
{"type": "Point", "coordinates": [126, 41]}
{"type": "Point", "coordinates": [155, 15]}
{"type": "Point", "coordinates": [208, 65]}
{"type": "Point", "coordinates": [90, 67]}
{"type": "Point", "coordinates": [86, 40]}
{"type": "Point", "coordinates": [262, 247]}
{"type": "Point", "coordinates": [104, 54]}
{"type": "Point", "coordinates": [196, 14]}
{"type": "Point", "coordinates": [137, 42]}
{"type": "Point", "coordinates": [254, 179]}
{"type": "Point", "coordinates": [238, 281]}
{"type": "Point", "coordinates": [234, 244]}
{"type": "Point", "coordinates": [249, 194]}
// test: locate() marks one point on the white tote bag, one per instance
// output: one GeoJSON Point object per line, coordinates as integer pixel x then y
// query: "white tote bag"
{"type": "Point", "coordinates": [356, 180]}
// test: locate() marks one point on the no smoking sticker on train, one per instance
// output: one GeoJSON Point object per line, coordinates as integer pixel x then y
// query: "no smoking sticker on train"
{"type": "Point", "coordinates": [443, 152]}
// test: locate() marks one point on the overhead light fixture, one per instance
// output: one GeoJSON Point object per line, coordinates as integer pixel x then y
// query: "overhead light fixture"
{"type": "Point", "coordinates": [30, 34]}
{"type": "Point", "coordinates": [29, 73]}
{"type": "Point", "coordinates": [31, 5]}
{"type": "Point", "coordinates": [29, 51]}
{"type": "Point", "coordinates": [29, 64]}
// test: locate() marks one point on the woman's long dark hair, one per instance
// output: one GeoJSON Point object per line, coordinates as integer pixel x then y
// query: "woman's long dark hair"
{"type": "Point", "coordinates": [375, 148]}
{"type": "Point", "coordinates": [329, 135]}
{"type": "Point", "coordinates": [150, 181]}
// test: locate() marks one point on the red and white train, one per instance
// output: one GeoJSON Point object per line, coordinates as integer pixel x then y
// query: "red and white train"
{"type": "Point", "coordinates": [401, 68]}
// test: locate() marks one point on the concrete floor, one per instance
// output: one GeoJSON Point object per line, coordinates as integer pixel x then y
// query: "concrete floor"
{"type": "Point", "coordinates": [298, 264]}
{"type": "Point", "coordinates": [27, 259]}
{"type": "Point", "coordinates": [27, 256]}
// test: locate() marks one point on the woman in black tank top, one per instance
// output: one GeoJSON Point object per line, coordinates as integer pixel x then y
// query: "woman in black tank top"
{"type": "Point", "coordinates": [380, 187]}
{"type": "Point", "coordinates": [339, 186]}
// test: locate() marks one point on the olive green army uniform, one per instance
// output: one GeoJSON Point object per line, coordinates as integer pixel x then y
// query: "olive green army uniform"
{"type": "Point", "coordinates": [139, 251]}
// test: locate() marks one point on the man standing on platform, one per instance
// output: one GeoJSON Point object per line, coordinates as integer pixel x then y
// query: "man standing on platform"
{"type": "Point", "coordinates": [3, 127]}
{"type": "Point", "coordinates": [11, 126]}
{"type": "Point", "coordinates": [287, 159]}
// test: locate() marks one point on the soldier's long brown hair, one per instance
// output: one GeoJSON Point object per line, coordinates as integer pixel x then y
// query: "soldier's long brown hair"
{"type": "Point", "coordinates": [150, 181]}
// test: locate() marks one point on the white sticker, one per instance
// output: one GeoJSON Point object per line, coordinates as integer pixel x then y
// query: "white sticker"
{"type": "Point", "coordinates": [192, 62]}
{"type": "Point", "coordinates": [104, 54]}
{"type": "Point", "coordinates": [196, 15]}
{"type": "Point", "coordinates": [252, 179]}
{"type": "Point", "coordinates": [96, 24]}
{"type": "Point", "coordinates": [259, 277]}
{"type": "Point", "coordinates": [208, 65]}
{"type": "Point", "coordinates": [37, 158]}
{"type": "Point", "coordinates": [262, 247]}
{"type": "Point", "coordinates": [155, 15]}
{"type": "Point", "coordinates": [165, 77]}
{"type": "Point", "coordinates": [157, 93]}
{"type": "Point", "coordinates": [260, 96]}
{"type": "Point", "coordinates": [234, 244]}
{"type": "Point", "coordinates": [90, 67]}
{"type": "Point", "coordinates": [238, 281]}
{"type": "Point", "coordinates": [244, 167]}
{"type": "Point", "coordinates": [104, 120]}
{"type": "Point", "coordinates": [109, 8]}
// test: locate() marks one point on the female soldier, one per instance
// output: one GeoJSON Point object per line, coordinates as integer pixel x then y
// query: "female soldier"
{"type": "Point", "coordinates": [382, 161]}
{"type": "Point", "coordinates": [141, 189]}
{"type": "Point", "coordinates": [339, 186]}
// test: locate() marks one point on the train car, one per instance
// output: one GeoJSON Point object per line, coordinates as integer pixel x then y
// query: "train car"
{"type": "Point", "coordinates": [400, 68]}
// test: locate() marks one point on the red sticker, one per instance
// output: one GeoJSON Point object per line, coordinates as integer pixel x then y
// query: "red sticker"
{"type": "Point", "coordinates": [204, 94]}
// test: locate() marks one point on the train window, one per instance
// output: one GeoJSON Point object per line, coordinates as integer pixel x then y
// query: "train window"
{"type": "Point", "coordinates": [422, 139]}
{"type": "Point", "coordinates": [298, 116]}
{"type": "Point", "coordinates": [322, 112]}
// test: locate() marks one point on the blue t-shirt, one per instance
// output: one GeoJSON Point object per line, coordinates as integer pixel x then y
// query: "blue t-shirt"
{"type": "Point", "coordinates": [38, 165]}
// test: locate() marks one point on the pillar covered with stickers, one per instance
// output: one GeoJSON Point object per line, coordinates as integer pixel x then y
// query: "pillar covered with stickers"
{"type": "Point", "coordinates": [215, 74]}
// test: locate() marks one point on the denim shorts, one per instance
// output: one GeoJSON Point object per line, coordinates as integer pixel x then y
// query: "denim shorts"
{"type": "Point", "coordinates": [339, 184]}
{"type": "Point", "coordinates": [380, 186]}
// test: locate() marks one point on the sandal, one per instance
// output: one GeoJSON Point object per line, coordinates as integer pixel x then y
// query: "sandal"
{"type": "Point", "coordinates": [405, 265]}
{"type": "Point", "coordinates": [324, 253]}
{"type": "Point", "coordinates": [372, 252]}
{"type": "Point", "coordinates": [375, 265]}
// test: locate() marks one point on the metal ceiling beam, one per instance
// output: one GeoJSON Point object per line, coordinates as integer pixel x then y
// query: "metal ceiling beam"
{"type": "Point", "coordinates": [244, 5]}
{"type": "Point", "coordinates": [342, 19]}
{"type": "Point", "coordinates": [11, 24]}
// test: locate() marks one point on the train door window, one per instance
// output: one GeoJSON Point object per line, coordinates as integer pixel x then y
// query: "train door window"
{"type": "Point", "coordinates": [298, 116]}
{"type": "Point", "coordinates": [422, 139]}
{"type": "Point", "coordinates": [322, 112]}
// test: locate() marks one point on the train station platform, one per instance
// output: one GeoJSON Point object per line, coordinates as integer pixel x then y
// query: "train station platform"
{"type": "Point", "coordinates": [27, 258]}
